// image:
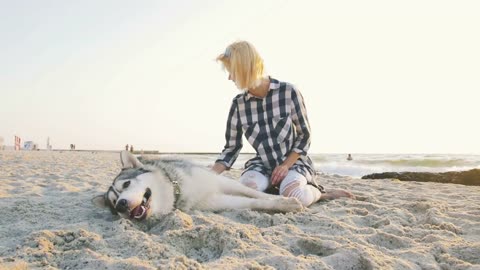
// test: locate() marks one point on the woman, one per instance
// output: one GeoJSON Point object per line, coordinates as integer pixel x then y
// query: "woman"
{"type": "Point", "coordinates": [273, 117]}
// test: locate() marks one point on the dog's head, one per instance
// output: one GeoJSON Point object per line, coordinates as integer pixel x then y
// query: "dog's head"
{"type": "Point", "coordinates": [129, 196]}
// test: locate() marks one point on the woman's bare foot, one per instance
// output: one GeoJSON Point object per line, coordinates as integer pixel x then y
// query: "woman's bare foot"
{"type": "Point", "coordinates": [336, 193]}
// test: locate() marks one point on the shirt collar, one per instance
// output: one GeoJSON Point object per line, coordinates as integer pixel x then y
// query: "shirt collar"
{"type": "Point", "coordinates": [274, 84]}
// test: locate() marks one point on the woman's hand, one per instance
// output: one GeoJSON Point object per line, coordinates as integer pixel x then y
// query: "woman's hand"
{"type": "Point", "coordinates": [218, 168]}
{"type": "Point", "coordinates": [279, 174]}
{"type": "Point", "coordinates": [281, 170]}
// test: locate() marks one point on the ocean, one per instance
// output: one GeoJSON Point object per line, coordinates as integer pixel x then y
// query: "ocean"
{"type": "Point", "coordinates": [363, 164]}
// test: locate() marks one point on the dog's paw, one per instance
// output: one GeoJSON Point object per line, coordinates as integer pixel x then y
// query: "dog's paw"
{"type": "Point", "coordinates": [291, 204]}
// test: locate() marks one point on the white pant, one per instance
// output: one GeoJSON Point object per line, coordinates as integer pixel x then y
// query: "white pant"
{"type": "Point", "coordinates": [293, 185]}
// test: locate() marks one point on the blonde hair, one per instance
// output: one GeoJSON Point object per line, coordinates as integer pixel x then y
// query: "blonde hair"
{"type": "Point", "coordinates": [242, 61]}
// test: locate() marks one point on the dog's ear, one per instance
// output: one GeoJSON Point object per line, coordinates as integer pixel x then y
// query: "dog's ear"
{"type": "Point", "coordinates": [99, 201]}
{"type": "Point", "coordinates": [129, 161]}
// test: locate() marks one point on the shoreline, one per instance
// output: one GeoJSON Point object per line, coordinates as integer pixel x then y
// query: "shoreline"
{"type": "Point", "coordinates": [319, 164]}
{"type": "Point", "coordinates": [10, 148]}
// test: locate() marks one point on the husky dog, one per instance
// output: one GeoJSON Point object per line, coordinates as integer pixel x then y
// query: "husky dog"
{"type": "Point", "coordinates": [157, 187]}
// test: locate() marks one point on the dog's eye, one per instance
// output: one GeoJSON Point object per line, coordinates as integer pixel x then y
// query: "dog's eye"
{"type": "Point", "coordinates": [126, 184]}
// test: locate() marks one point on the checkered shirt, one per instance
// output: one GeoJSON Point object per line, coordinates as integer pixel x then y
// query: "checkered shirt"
{"type": "Point", "coordinates": [274, 125]}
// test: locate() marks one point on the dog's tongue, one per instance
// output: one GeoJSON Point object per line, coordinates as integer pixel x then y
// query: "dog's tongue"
{"type": "Point", "coordinates": [138, 212]}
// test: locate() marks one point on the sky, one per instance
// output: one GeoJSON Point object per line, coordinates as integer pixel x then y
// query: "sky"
{"type": "Point", "coordinates": [377, 76]}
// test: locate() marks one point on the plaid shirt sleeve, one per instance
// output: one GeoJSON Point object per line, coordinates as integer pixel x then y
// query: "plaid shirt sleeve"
{"type": "Point", "coordinates": [233, 138]}
{"type": "Point", "coordinates": [300, 120]}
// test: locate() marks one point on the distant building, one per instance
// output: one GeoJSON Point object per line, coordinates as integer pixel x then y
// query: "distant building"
{"type": "Point", "coordinates": [30, 145]}
{"type": "Point", "coordinates": [18, 140]}
{"type": "Point", "coordinates": [49, 146]}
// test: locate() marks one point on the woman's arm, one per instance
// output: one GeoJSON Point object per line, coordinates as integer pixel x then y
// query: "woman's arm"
{"type": "Point", "coordinates": [233, 138]}
{"type": "Point", "coordinates": [302, 138]}
{"type": "Point", "coordinates": [302, 126]}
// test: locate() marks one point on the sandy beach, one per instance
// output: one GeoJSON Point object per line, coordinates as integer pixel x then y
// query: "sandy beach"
{"type": "Point", "coordinates": [48, 222]}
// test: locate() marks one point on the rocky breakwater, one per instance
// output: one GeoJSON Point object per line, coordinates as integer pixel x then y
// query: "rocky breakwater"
{"type": "Point", "coordinates": [471, 177]}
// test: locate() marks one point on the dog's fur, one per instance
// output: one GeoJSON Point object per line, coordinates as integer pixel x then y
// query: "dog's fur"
{"type": "Point", "coordinates": [145, 189]}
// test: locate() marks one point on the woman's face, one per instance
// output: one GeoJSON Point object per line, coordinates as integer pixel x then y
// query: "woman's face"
{"type": "Point", "coordinates": [230, 77]}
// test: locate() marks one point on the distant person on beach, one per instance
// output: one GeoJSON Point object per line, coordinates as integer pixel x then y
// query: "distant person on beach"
{"type": "Point", "coordinates": [126, 147]}
{"type": "Point", "coordinates": [272, 116]}
{"type": "Point", "coordinates": [131, 148]}
{"type": "Point", "coordinates": [349, 157]}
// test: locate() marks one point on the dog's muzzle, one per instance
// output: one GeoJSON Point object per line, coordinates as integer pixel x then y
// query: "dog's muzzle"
{"type": "Point", "coordinates": [138, 212]}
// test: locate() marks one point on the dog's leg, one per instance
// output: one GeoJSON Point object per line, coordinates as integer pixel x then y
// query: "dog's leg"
{"type": "Point", "coordinates": [230, 186]}
{"type": "Point", "coordinates": [278, 203]}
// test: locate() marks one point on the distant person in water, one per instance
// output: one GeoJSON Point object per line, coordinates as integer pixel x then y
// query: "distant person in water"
{"type": "Point", "coordinates": [349, 157]}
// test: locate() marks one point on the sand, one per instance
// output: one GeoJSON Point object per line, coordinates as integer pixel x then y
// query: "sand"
{"type": "Point", "coordinates": [48, 222]}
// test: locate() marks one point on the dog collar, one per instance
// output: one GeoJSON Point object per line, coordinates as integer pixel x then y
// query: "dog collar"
{"type": "Point", "coordinates": [177, 192]}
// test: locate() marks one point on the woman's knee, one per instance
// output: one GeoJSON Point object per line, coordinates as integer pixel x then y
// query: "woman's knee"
{"type": "Point", "coordinates": [295, 190]}
{"type": "Point", "coordinates": [255, 180]}
{"type": "Point", "coordinates": [295, 185]}
{"type": "Point", "coordinates": [291, 182]}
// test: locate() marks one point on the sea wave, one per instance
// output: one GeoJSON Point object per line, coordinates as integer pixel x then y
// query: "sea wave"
{"type": "Point", "coordinates": [366, 164]}
{"type": "Point", "coordinates": [363, 164]}
{"type": "Point", "coordinates": [422, 162]}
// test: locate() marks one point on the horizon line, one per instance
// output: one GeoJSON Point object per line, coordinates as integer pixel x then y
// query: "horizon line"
{"type": "Point", "coordinates": [156, 152]}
